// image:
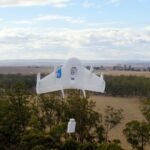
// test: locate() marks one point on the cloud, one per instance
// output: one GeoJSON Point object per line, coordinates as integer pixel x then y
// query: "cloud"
{"type": "Point", "coordinates": [88, 4]}
{"type": "Point", "coordinates": [40, 20]}
{"type": "Point", "coordinates": [102, 43]}
{"type": "Point", "coordinates": [109, 3]}
{"type": "Point", "coordinates": [74, 20]}
{"type": "Point", "coordinates": [104, 24]}
{"type": "Point", "coordinates": [112, 1]}
{"type": "Point", "coordinates": [147, 28]}
{"type": "Point", "coordinates": [99, 5]}
{"type": "Point", "coordinates": [14, 3]}
{"type": "Point", "coordinates": [54, 17]}
{"type": "Point", "coordinates": [27, 22]}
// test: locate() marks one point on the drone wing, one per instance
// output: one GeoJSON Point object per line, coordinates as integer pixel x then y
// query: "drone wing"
{"type": "Point", "coordinates": [50, 83]}
{"type": "Point", "coordinates": [93, 83]}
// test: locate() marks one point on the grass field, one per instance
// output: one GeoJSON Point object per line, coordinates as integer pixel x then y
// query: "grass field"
{"type": "Point", "coordinates": [131, 107]}
{"type": "Point", "coordinates": [127, 73]}
{"type": "Point", "coordinates": [24, 70]}
{"type": "Point", "coordinates": [35, 70]}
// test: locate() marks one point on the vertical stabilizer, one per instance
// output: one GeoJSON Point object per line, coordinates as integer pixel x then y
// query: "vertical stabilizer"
{"type": "Point", "coordinates": [84, 93]}
{"type": "Point", "coordinates": [91, 69]}
{"type": "Point", "coordinates": [38, 77]}
{"type": "Point", "coordinates": [102, 77]}
{"type": "Point", "coordinates": [37, 82]}
{"type": "Point", "coordinates": [62, 92]}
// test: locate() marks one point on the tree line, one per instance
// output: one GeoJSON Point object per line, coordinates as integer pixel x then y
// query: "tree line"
{"type": "Point", "coordinates": [128, 86]}
{"type": "Point", "coordinates": [115, 85]}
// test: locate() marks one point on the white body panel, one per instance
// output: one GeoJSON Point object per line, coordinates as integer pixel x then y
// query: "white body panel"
{"type": "Point", "coordinates": [73, 75]}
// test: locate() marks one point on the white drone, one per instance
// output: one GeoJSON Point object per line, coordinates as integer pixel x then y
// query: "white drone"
{"type": "Point", "coordinates": [72, 75]}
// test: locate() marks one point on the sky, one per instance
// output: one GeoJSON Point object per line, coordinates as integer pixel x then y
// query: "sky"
{"type": "Point", "coordinates": [86, 29]}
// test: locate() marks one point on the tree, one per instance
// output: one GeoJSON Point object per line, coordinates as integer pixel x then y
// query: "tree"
{"type": "Point", "coordinates": [70, 144]}
{"type": "Point", "coordinates": [110, 146]}
{"type": "Point", "coordinates": [14, 117]}
{"type": "Point", "coordinates": [31, 140]}
{"type": "Point", "coordinates": [100, 130]}
{"type": "Point", "coordinates": [146, 110]}
{"type": "Point", "coordinates": [112, 118]}
{"type": "Point", "coordinates": [51, 109]}
{"type": "Point", "coordinates": [87, 146]}
{"type": "Point", "coordinates": [82, 110]}
{"type": "Point", "coordinates": [137, 134]}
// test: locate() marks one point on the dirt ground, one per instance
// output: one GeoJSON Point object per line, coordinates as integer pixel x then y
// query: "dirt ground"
{"type": "Point", "coordinates": [131, 107]}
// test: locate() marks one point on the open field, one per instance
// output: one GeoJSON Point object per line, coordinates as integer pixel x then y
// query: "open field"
{"type": "Point", "coordinates": [127, 73]}
{"type": "Point", "coordinates": [131, 107]}
{"type": "Point", "coordinates": [35, 70]}
{"type": "Point", "coordinates": [24, 70]}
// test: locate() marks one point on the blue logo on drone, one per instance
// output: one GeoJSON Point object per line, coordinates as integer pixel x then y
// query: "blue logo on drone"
{"type": "Point", "coordinates": [58, 73]}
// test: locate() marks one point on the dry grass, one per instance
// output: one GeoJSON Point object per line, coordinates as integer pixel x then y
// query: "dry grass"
{"type": "Point", "coordinates": [127, 73]}
{"type": "Point", "coordinates": [35, 70]}
{"type": "Point", "coordinates": [24, 70]}
{"type": "Point", "coordinates": [131, 107]}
